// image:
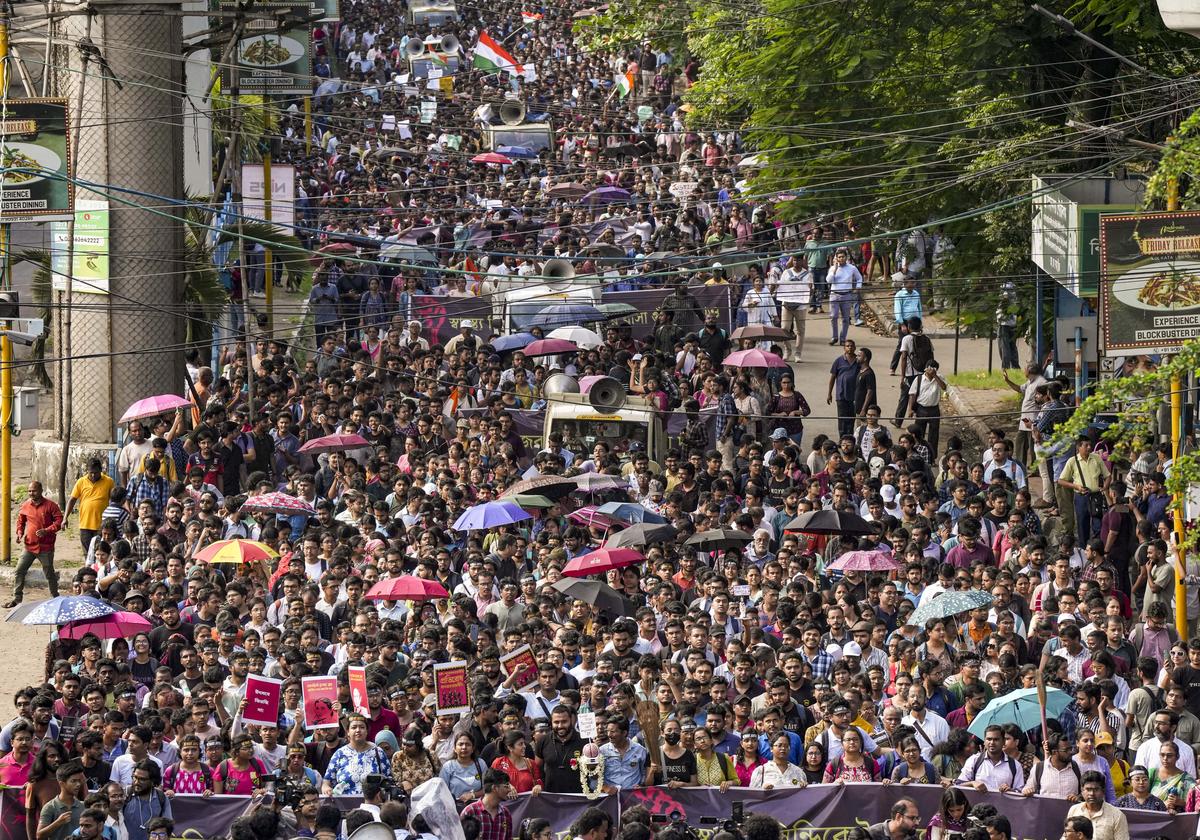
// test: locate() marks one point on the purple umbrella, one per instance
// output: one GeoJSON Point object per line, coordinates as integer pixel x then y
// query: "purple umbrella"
{"type": "Point", "coordinates": [491, 515]}
{"type": "Point", "coordinates": [606, 195]}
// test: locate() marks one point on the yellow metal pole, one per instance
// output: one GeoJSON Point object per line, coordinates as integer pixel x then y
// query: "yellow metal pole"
{"type": "Point", "coordinates": [1181, 613]}
{"type": "Point", "coordinates": [6, 390]}
{"type": "Point", "coordinates": [307, 126]}
{"type": "Point", "coordinates": [268, 268]}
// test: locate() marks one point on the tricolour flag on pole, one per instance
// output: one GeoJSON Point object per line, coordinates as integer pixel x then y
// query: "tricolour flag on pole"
{"type": "Point", "coordinates": [492, 57]}
{"type": "Point", "coordinates": [530, 17]}
{"type": "Point", "coordinates": [624, 84]}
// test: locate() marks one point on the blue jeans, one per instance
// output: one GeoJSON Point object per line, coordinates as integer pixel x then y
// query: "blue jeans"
{"type": "Point", "coordinates": [1086, 528]}
{"type": "Point", "coordinates": [841, 305]}
{"type": "Point", "coordinates": [820, 287]}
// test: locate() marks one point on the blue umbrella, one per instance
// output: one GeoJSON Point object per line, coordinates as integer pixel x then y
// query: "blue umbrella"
{"type": "Point", "coordinates": [518, 152]}
{"type": "Point", "coordinates": [629, 512]}
{"type": "Point", "coordinates": [66, 608]}
{"type": "Point", "coordinates": [566, 315]}
{"type": "Point", "coordinates": [948, 604]}
{"type": "Point", "coordinates": [1021, 707]}
{"type": "Point", "coordinates": [491, 515]}
{"type": "Point", "coordinates": [511, 342]}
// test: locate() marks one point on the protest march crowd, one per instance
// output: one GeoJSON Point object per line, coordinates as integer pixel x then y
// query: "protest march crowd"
{"type": "Point", "coordinates": [365, 578]}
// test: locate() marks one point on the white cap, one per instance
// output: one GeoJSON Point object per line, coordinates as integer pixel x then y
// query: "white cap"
{"type": "Point", "coordinates": [834, 651]}
{"type": "Point", "coordinates": [852, 649]}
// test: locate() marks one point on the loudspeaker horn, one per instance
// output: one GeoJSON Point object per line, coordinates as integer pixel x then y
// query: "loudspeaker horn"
{"type": "Point", "coordinates": [559, 383]}
{"type": "Point", "coordinates": [558, 274]}
{"type": "Point", "coordinates": [512, 113]}
{"type": "Point", "coordinates": [449, 44]}
{"type": "Point", "coordinates": [414, 48]}
{"type": "Point", "coordinates": [606, 394]}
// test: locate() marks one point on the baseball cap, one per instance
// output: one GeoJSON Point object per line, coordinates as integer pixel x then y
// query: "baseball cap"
{"type": "Point", "coordinates": [1103, 739]}
{"type": "Point", "coordinates": [1067, 617]}
{"type": "Point", "coordinates": [637, 357]}
{"type": "Point", "coordinates": [852, 649]}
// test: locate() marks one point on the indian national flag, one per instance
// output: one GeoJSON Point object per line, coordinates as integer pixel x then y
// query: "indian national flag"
{"type": "Point", "coordinates": [437, 59]}
{"type": "Point", "coordinates": [492, 57]}
{"type": "Point", "coordinates": [624, 84]}
{"type": "Point", "coordinates": [529, 17]}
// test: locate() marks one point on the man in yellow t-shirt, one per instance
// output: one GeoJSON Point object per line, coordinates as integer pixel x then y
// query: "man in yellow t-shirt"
{"type": "Point", "coordinates": [91, 494]}
{"type": "Point", "coordinates": [1085, 473]}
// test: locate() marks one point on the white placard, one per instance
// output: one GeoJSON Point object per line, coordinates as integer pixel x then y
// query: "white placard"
{"type": "Point", "coordinates": [587, 725]}
{"type": "Point", "coordinates": [283, 194]}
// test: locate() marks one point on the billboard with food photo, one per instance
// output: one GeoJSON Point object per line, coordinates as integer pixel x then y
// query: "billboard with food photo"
{"type": "Point", "coordinates": [1149, 282]}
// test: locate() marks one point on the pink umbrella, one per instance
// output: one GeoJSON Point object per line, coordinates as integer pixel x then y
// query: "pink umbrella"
{"type": "Point", "coordinates": [865, 561]}
{"type": "Point", "coordinates": [152, 407]}
{"type": "Point", "coordinates": [491, 157]}
{"type": "Point", "coordinates": [334, 443]}
{"type": "Point", "coordinates": [588, 515]}
{"type": "Point", "coordinates": [550, 347]}
{"type": "Point", "coordinates": [754, 359]}
{"type": "Point", "coordinates": [602, 560]}
{"type": "Point", "coordinates": [118, 625]}
{"type": "Point", "coordinates": [406, 588]}
{"type": "Point", "coordinates": [280, 503]}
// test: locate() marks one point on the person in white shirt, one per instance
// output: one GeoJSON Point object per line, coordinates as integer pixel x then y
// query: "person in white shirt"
{"type": "Point", "coordinates": [793, 287]}
{"type": "Point", "coordinates": [929, 727]}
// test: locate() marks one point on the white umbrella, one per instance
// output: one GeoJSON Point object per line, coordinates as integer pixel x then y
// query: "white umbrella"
{"type": "Point", "coordinates": [580, 336]}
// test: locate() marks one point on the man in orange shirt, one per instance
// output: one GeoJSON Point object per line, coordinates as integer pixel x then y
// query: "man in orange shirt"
{"type": "Point", "coordinates": [38, 522]}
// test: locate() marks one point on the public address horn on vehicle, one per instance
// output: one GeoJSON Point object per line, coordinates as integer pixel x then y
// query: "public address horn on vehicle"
{"type": "Point", "coordinates": [558, 273]}
{"type": "Point", "coordinates": [449, 44]}
{"type": "Point", "coordinates": [414, 48]}
{"type": "Point", "coordinates": [606, 394]}
{"type": "Point", "coordinates": [512, 113]}
{"type": "Point", "coordinates": [557, 384]}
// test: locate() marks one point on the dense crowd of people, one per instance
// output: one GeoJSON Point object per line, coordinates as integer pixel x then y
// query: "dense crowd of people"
{"type": "Point", "coordinates": [736, 653]}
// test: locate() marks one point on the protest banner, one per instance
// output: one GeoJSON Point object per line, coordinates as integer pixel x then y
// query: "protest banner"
{"type": "Point", "coordinates": [450, 688]}
{"type": "Point", "coordinates": [319, 693]}
{"type": "Point", "coordinates": [358, 689]}
{"type": "Point", "coordinates": [262, 700]}
{"type": "Point", "coordinates": [521, 662]}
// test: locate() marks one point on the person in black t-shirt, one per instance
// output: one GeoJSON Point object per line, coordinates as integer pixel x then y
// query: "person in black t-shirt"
{"type": "Point", "coordinates": [678, 762]}
{"type": "Point", "coordinates": [1188, 677]}
{"type": "Point", "coordinates": [561, 747]}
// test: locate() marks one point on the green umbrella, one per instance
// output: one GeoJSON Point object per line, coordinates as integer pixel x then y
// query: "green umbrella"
{"type": "Point", "coordinates": [531, 500]}
{"type": "Point", "coordinates": [1021, 707]}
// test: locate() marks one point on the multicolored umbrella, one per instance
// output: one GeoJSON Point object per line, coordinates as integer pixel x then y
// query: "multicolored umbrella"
{"type": "Point", "coordinates": [950, 603]}
{"type": "Point", "coordinates": [550, 347]}
{"type": "Point", "coordinates": [590, 516]}
{"type": "Point", "coordinates": [236, 551]}
{"type": "Point", "coordinates": [334, 443]}
{"type": "Point", "coordinates": [117, 625]}
{"type": "Point", "coordinates": [153, 407]}
{"type": "Point", "coordinates": [406, 588]}
{"type": "Point", "coordinates": [830, 522]}
{"type": "Point", "coordinates": [62, 610]}
{"type": "Point", "coordinates": [719, 539]}
{"type": "Point", "coordinates": [754, 358]}
{"type": "Point", "coordinates": [865, 561]}
{"type": "Point", "coordinates": [1022, 707]}
{"type": "Point", "coordinates": [280, 503]}
{"type": "Point", "coordinates": [642, 534]}
{"type": "Point", "coordinates": [602, 560]}
{"type": "Point", "coordinates": [491, 515]}
{"type": "Point", "coordinates": [629, 512]}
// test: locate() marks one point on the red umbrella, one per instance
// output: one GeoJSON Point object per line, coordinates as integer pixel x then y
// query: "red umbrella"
{"type": "Point", "coordinates": [865, 561]}
{"type": "Point", "coordinates": [407, 588]}
{"type": "Point", "coordinates": [754, 359]}
{"type": "Point", "coordinates": [491, 157]}
{"type": "Point", "coordinates": [550, 347]}
{"type": "Point", "coordinates": [602, 560]}
{"type": "Point", "coordinates": [334, 443]}
{"type": "Point", "coordinates": [118, 625]}
{"type": "Point", "coordinates": [588, 515]}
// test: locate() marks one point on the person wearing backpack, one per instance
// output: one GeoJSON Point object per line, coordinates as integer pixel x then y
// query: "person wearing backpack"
{"type": "Point", "coordinates": [990, 769]}
{"type": "Point", "coordinates": [916, 351]}
{"type": "Point", "coordinates": [1144, 701]}
{"type": "Point", "coordinates": [712, 768]}
{"type": "Point", "coordinates": [924, 403]}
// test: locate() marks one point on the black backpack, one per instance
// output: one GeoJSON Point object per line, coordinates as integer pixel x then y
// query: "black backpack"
{"type": "Point", "coordinates": [922, 352]}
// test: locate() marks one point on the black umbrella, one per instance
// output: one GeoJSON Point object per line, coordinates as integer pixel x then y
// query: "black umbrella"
{"type": "Point", "coordinates": [641, 534]}
{"type": "Point", "coordinates": [551, 486]}
{"type": "Point", "coordinates": [718, 540]}
{"type": "Point", "coordinates": [830, 522]}
{"type": "Point", "coordinates": [600, 595]}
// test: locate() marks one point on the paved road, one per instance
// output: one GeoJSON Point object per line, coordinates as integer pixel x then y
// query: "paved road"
{"type": "Point", "coordinates": [812, 375]}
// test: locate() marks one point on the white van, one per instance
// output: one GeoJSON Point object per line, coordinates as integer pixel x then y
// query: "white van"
{"type": "Point", "coordinates": [582, 426]}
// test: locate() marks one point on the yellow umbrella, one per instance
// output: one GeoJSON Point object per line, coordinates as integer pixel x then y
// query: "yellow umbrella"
{"type": "Point", "coordinates": [236, 551]}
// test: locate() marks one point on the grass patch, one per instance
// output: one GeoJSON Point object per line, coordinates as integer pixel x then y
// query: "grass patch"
{"type": "Point", "coordinates": [978, 380]}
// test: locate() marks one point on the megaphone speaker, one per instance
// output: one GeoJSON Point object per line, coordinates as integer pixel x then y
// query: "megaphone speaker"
{"type": "Point", "coordinates": [606, 394]}
{"type": "Point", "coordinates": [414, 48]}
{"type": "Point", "coordinates": [449, 44]}
{"type": "Point", "coordinates": [512, 113]}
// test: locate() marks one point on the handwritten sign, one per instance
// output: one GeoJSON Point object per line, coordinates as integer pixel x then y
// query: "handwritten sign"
{"type": "Point", "coordinates": [262, 700]}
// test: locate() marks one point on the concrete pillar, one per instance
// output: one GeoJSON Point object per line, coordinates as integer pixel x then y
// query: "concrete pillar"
{"type": "Point", "coordinates": [132, 139]}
